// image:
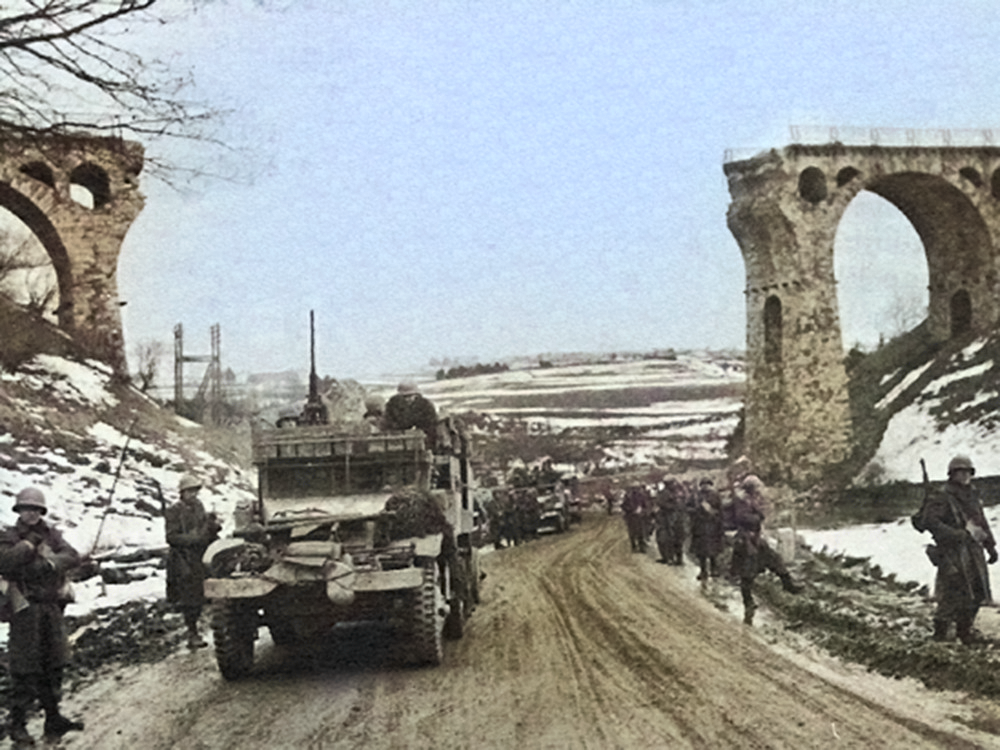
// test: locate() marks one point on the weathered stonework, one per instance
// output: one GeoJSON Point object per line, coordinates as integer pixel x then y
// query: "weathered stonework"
{"type": "Point", "coordinates": [786, 206]}
{"type": "Point", "coordinates": [83, 242]}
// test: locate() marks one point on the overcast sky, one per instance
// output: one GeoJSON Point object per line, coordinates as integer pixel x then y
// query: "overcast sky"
{"type": "Point", "coordinates": [483, 179]}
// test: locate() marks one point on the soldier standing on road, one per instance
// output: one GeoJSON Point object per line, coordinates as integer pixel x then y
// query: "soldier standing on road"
{"type": "Point", "coordinates": [751, 553]}
{"type": "Point", "coordinates": [670, 523]}
{"type": "Point", "coordinates": [707, 533]}
{"type": "Point", "coordinates": [189, 532]}
{"type": "Point", "coordinates": [35, 559]}
{"type": "Point", "coordinates": [954, 516]}
{"type": "Point", "coordinates": [635, 508]}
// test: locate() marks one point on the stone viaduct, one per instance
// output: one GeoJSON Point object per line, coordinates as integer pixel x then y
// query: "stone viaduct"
{"type": "Point", "coordinates": [786, 206]}
{"type": "Point", "coordinates": [83, 241]}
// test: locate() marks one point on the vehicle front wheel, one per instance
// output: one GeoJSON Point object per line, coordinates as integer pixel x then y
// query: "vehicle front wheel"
{"type": "Point", "coordinates": [234, 629]}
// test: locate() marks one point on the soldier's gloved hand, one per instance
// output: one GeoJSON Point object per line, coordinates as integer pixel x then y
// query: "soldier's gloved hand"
{"type": "Point", "coordinates": [25, 549]}
{"type": "Point", "coordinates": [991, 555]}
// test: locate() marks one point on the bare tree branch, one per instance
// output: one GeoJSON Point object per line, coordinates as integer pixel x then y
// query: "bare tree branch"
{"type": "Point", "coordinates": [58, 53]}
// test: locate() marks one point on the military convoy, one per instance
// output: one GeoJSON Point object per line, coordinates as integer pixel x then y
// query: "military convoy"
{"type": "Point", "coordinates": [347, 527]}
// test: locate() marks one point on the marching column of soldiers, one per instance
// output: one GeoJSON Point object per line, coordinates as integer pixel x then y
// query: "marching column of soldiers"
{"type": "Point", "coordinates": [679, 514]}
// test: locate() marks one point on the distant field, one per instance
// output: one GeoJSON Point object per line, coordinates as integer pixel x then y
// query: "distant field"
{"type": "Point", "coordinates": [658, 412]}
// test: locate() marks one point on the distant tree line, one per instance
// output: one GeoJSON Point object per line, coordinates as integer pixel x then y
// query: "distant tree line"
{"type": "Point", "coordinates": [461, 371]}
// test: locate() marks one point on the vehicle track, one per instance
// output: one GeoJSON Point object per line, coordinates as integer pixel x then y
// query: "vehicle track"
{"type": "Point", "coordinates": [578, 643]}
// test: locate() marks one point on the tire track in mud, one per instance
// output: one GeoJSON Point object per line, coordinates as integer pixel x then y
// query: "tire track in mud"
{"type": "Point", "coordinates": [577, 643]}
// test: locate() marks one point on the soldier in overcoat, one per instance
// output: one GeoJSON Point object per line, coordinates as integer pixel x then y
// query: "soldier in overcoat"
{"type": "Point", "coordinates": [635, 508]}
{"type": "Point", "coordinates": [708, 538]}
{"type": "Point", "coordinates": [671, 517]}
{"type": "Point", "coordinates": [751, 552]}
{"type": "Point", "coordinates": [965, 544]}
{"type": "Point", "coordinates": [189, 531]}
{"type": "Point", "coordinates": [35, 561]}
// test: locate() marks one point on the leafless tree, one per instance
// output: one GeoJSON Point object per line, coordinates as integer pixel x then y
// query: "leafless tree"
{"type": "Point", "coordinates": [147, 362]}
{"type": "Point", "coordinates": [26, 274]}
{"type": "Point", "coordinates": [57, 56]}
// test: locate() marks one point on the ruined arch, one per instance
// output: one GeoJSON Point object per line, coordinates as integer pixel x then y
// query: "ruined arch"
{"type": "Point", "coordinates": [36, 179]}
{"type": "Point", "coordinates": [40, 225]}
{"type": "Point", "coordinates": [952, 208]}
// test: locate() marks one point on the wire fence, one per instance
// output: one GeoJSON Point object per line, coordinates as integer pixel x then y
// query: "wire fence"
{"type": "Point", "coordinates": [880, 136]}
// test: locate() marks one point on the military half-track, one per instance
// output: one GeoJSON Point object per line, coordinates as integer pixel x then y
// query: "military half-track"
{"type": "Point", "coordinates": [360, 525]}
{"type": "Point", "coordinates": [348, 528]}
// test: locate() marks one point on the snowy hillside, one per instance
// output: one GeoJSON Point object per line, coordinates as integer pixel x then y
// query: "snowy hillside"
{"type": "Point", "coordinates": [64, 426]}
{"type": "Point", "coordinates": [647, 412]}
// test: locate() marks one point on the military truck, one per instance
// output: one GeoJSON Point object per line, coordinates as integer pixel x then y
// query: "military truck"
{"type": "Point", "coordinates": [354, 526]}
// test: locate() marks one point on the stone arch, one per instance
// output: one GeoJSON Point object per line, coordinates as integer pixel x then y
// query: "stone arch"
{"type": "Point", "coordinates": [784, 215]}
{"type": "Point", "coordinates": [95, 180]}
{"type": "Point", "coordinates": [36, 179]}
{"type": "Point", "coordinates": [40, 225]}
{"type": "Point", "coordinates": [812, 184]}
{"type": "Point", "coordinates": [40, 171]}
{"type": "Point", "coordinates": [956, 240]}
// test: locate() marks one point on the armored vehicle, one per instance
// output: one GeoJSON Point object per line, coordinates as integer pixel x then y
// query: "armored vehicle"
{"type": "Point", "coordinates": [364, 526]}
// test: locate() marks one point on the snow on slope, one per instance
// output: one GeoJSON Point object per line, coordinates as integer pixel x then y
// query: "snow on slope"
{"type": "Point", "coordinates": [64, 431]}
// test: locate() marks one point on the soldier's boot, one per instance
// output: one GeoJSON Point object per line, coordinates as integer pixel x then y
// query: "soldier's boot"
{"type": "Point", "coordinates": [940, 630]}
{"type": "Point", "coordinates": [17, 728]}
{"type": "Point", "coordinates": [703, 573]}
{"type": "Point", "coordinates": [788, 584]}
{"type": "Point", "coordinates": [195, 640]}
{"type": "Point", "coordinates": [965, 633]}
{"type": "Point", "coordinates": [56, 725]}
{"type": "Point", "coordinates": [749, 605]}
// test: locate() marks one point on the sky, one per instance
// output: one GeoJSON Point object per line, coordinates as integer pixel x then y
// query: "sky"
{"type": "Point", "coordinates": [480, 180]}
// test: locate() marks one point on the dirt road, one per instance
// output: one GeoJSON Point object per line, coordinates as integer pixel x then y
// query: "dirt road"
{"type": "Point", "coordinates": [578, 644]}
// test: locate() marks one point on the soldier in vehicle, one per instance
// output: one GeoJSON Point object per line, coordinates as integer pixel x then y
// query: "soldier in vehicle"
{"type": "Point", "coordinates": [635, 508]}
{"type": "Point", "coordinates": [954, 516]}
{"type": "Point", "coordinates": [670, 523]}
{"type": "Point", "coordinates": [409, 408]}
{"type": "Point", "coordinates": [35, 560]}
{"type": "Point", "coordinates": [707, 533]}
{"type": "Point", "coordinates": [189, 531]}
{"type": "Point", "coordinates": [751, 552]}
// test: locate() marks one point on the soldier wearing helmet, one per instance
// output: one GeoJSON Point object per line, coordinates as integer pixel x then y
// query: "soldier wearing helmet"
{"type": "Point", "coordinates": [189, 531]}
{"type": "Point", "coordinates": [751, 552]}
{"type": "Point", "coordinates": [965, 545]}
{"type": "Point", "coordinates": [36, 560]}
{"type": "Point", "coordinates": [409, 408]}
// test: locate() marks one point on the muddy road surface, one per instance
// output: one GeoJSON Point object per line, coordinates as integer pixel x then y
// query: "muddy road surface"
{"type": "Point", "coordinates": [578, 643]}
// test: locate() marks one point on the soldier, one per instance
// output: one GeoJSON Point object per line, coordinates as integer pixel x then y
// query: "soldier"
{"type": "Point", "coordinates": [635, 508]}
{"type": "Point", "coordinates": [751, 553]}
{"type": "Point", "coordinates": [707, 533]}
{"type": "Point", "coordinates": [35, 560]}
{"type": "Point", "coordinates": [189, 531]}
{"type": "Point", "coordinates": [954, 516]}
{"type": "Point", "coordinates": [408, 408]}
{"type": "Point", "coordinates": [670, 523]}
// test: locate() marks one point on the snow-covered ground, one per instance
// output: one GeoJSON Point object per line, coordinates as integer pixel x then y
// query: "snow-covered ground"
{"type": "Point", "coordinates": [78, 486]}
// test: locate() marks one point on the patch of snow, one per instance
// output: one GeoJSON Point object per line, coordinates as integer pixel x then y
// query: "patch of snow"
{"type": "Point", "coordinates": [902, 385]}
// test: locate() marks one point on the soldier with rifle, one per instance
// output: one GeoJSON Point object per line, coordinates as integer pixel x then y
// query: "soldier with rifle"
{"type": "Point", "coordinates": [964, 545]}
{"type": "Point", "coordinates": [36, 560]}
{"type": "Point", "coordinates": [189, 531]}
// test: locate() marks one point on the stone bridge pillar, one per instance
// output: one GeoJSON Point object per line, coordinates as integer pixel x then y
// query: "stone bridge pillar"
{"type": "Point", "coordinates": [83, 239]}
{"type": "Point", "coordinates": [786, 206]}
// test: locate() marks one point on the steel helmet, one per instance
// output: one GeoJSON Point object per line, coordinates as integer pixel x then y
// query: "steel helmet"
{"type": "Point", "coordinates": [30, 497]}
{"type": "Point", "coordinates": [188, 482]}
{"type": "Point", "coordinates": [960, 462]}
{"type": "Point", "coordinates": [408, 386]}
{"type": "Point", "coordinates": [753, 484]}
